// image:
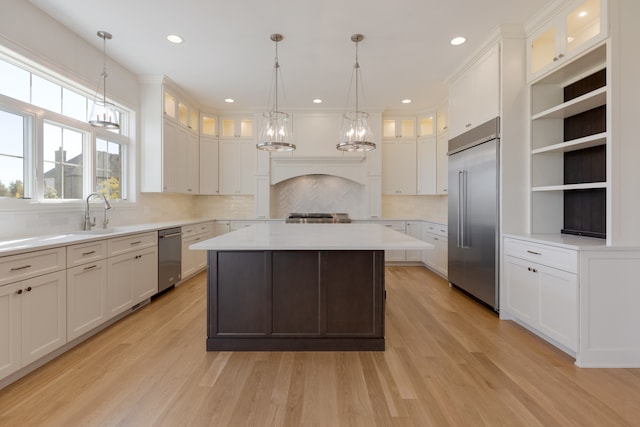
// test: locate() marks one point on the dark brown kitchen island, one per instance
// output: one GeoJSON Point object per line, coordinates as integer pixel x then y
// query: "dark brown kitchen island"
{"type": "Point", "coordinates": [289, 287]}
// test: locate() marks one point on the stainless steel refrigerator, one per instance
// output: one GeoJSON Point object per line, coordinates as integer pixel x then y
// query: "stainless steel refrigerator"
{"type": "Point", "coordinates": [473, 212]}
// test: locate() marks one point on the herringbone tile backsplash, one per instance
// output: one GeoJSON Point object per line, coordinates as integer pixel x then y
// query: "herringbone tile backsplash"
{"type": "Point", "coordinates": [319, 193]}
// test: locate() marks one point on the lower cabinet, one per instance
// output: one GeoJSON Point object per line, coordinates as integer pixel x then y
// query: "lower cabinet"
{"type": "Point", "coordinates": [132, 278]}
{"type": "Point", "coordinates": [436, 259]}
{"type": "Point", "coordinates": [194, 261]}
{"type": "Point", "coordinates": [541, 297]}
{"type": "Point", "coordinates": [32, 320]}
{"type": "Point", "coordinates": [86, 297]}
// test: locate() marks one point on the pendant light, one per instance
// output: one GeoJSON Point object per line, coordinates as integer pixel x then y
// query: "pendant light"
{"type": "Point", "coordinates": [355, 134]}
{"type": "Point", "coordinates": [103, 113]}
{"type": "Point", "coordinates": [274, 130]}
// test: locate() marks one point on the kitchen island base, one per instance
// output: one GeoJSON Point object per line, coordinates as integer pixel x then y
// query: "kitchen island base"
{"type": "Point", "coordinates": [295, 300]}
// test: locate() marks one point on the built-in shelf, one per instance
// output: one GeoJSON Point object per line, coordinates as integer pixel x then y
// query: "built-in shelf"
{"type": "Point", "coordinates": [583, 186]}
{"type": "Point", "coordinates": [576, 144]}
{"type": "Point", "coordinates": [577, 105]}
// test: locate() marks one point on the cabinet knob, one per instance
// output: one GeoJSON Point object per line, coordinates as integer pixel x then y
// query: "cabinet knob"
{"type": "Point", "coordinates": [28, 289]}
{"type": "Point", "coordinates": [468, 125]}
{"type": "Point", "coordinates": [19, 292]}
{"type": "Point", "coordinates": [561, 56]}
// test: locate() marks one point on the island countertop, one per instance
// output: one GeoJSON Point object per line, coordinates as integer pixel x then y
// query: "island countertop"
{"type": "Point", "coordinates": [278, 236]}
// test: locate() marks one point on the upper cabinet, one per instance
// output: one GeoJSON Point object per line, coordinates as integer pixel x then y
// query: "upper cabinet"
{"type": "Point", "coordinates": [209, 125]}
{"type": "Point", "coordinates": [170, 139]}
{"type": "Point", "coordinates": [580, 26]}
{"type": "Point", "coordinates": [400, 128]}
{"type": "Point", "coordinates": [474, 97]}
{"type": "Point", "coordinates": [236, 127]}
{"type": "Point", "coordinates": [426, 126]}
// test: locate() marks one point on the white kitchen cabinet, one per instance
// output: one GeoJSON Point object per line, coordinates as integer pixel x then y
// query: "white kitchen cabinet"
{"type": "Point", "coordinates": [427, 165]}
{"type": "Point", "coordinates": [86, 287]}
{"type": "Point", "coordinates": [579, 26]}
{"type": "Point", "coordinates": [209, 125]}
{"type": "Point", "coordinates": [442, 163]}
{"type": "Point", "coordinates": [237, 225]}
{"type": "Point", "coordinates": [170, 139]}
{"type": "Point", "coordinates": [132, 271]}
{"type": "Point", "coordinates": [414, 229]}
{"type": "Point", "coordinates": [474, 97]}
{"type": "Point", "coordinates": [86, 297]}
{"type": "Point", "coordinates": [221, 227]}
{"type": "Point", "coordinates": [237, 166]}
{"type": "Point", "coordinates": [32, 320]}
{"type": "Point", "coordinates": [396, 255]}
{"type": "Point", "coordinates": [542, 289]}
{"type": "Point", "coordinates": [399, 128]}
{"type": "Point", "coordinates": [426, 126]}
{"type": "Point", "coordinates": [435, 259]}
{"type": "Point", "coordinates": [209, 160]}
{"type": "Point", "coordinates": [399, 167]}
{"type": "Point", "coordinates": [194, 261]}
{"type": "Point", "coordinates": [236, 128]}
{"type": "Point", "coordinates": [442, 119]}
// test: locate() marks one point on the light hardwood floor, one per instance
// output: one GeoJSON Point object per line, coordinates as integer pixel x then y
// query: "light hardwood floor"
{"type": "Point", "coordinates": [448, 361]}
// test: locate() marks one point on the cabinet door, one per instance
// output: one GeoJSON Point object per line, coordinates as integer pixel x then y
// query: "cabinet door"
{"type": "Point", "coordinates": [145, 274]}
{"type": "Point", "coordinates": [559, 305]}
{"type": "Point", "coordinates": [389, 167]}
{"type": "Point", "coordinates": [414, 229]}
{"type": "Point", "coordinates": [406, 168]}
{"type": "Point", "coordinates": [441, 255]}
{"type": "Point", "coordinates": [169, 155]}
{"type": "Point", "coordinates": [86, 297]}
{"type": "Point", "coordinates": [427, 165]}
{"type": "Point", "coordinates": [208, 166]}
{"type": "Point", "coordinates": [191, 170]}
{"type": "Point", "coordinates": [442, 163]}
{"type": "Point", "coordinates": [120, 283]}
{"type": "Point", "coordinates": [522, 289]}
{"type": "Point", "coordinates": [9, 329]}
{"type": "Point", "coordinates": [246, 167]}
{"type": "Point", "coordinates": [43, 315]}
{"type": "Point", "coordinates": [192, 261]}
{"type": "Point", "coordinates": [228, 168]}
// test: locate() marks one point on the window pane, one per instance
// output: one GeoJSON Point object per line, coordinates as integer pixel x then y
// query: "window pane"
{"type": "Point", "coordinates": [74, 105]}
{"type": "Point", "coordinates": [46, 94]}
{"type": "Point", "coordinates": [14, 81]}
{"type": "Point", "coordinates": [63, 165]}
{"type": "Point", "coordinates": [109, 168]}
{"type": "Point", "coordinates": [11, 155]}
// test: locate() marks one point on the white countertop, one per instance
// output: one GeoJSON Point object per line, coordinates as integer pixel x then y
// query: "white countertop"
{"type": "Point", "coordinates": [20, 245]}
{"type": "Point", "coordinates": [278, 236]}
{"type": "Point", "coordinates": [569, 241]}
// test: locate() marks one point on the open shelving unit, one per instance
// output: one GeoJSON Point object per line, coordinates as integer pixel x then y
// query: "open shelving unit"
{"type": "Point", "coordinates": [569, 135]}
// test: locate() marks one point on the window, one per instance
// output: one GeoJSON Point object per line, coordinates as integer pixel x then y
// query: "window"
{"type": "Point", "coordinates": [12, 142]}
{"type": "Point", "coordinates": [63, 163]}
{"type": "Point", "coordinates": [109, 168]}
{"type": "Point", "coordinates": [46, 146]}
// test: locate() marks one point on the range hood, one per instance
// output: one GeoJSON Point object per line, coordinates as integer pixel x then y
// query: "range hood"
{"type": "Point", "coordinates": [352, 168]}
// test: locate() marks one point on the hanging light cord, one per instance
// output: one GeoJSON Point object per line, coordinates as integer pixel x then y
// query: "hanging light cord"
{"type": "Point", "coordinates": [104, 69]}
{"type": "Point", "coordinates": [358, 76]}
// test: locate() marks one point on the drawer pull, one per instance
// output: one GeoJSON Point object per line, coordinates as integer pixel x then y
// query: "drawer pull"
{"type": "Point", "coordinates": [137, 242]}
{"type": "Point", "coordinates": [88, 253]}
{"type": "Point", "coordinates": [534, 253]}
{"type": "Point", "coordinates": [90, 267]}
{"type": "Point", "coordinates": [21, 268]}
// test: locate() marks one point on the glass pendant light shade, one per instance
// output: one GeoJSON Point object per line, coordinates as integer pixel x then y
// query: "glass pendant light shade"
{"type": "Point", "coordinates": [275, 133]}
{"type": "Point", "coordinates": [104, 114]}
{"type": "Point", "coordinates": [355, 134]}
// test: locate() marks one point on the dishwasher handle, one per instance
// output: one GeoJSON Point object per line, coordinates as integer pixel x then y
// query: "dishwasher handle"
{"type": "Point", "coordinates": [166, 236]}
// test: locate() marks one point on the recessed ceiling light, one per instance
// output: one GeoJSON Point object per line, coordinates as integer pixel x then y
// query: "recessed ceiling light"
{"type": "Point", "coordinates": [174, 38]}
{"type": "Point", "coordinates": [230, 100]}
{"type": "Point", "coordinates": [317, 101]}
{"type": "Point", "coordinates": [458, 41]}
{"type": "Point", "coordinates": [582, 14]}
{"type": "Point", "coordinates": [406, 101]}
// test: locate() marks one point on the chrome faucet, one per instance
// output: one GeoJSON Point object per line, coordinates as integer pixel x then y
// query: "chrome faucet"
{"type": "Point", "coordinates": [87, 215]}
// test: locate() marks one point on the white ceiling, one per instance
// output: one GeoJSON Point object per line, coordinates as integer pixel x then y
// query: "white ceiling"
{"type": "Point", "coordinates": [227, 52]}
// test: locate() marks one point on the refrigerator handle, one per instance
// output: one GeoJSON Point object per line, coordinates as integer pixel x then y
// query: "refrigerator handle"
{"type": "Point", "coordinates": [462, 208]}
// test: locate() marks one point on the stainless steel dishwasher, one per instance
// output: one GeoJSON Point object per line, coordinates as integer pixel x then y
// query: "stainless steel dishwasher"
{"type": "Point", "coordinates": [169, 257]}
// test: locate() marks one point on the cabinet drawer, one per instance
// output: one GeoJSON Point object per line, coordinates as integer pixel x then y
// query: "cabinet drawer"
{"type": "Point", "coordinates": [23, 266]}
{"type": "Point", "coordinates": [203, 228]}
{"type": "Point", "coordinates": [125, 244]}
{"type": "Point", "coordinates": [394, 225]}
{"type": "Point", "coordinates": [552, 256]}
{"type": "Point", "coordinates": [188, 230]}
{"type": "Point", "coordinates": [438, 229]}
{"type": "Point", "coordinates": [86, 252]}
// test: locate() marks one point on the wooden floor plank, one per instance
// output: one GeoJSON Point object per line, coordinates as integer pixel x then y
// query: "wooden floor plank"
{"type": "Point", "coordinates": [449, 361]}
